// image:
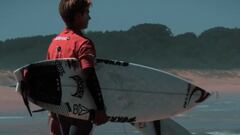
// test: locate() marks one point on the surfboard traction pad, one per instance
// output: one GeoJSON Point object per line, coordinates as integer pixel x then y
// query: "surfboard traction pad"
{"type": "Point", "coordinates": [44, 88]}
{"type": "Point", "coordinates": [44, 84]}
{"type": "Point", "coordinates": [41, 85]}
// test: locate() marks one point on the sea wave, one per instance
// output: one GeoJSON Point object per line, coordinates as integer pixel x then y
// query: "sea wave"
{"type": "Point", "coordinates": [202, 106]}
{"type": "Point", "coordinates": [222, 133]}
{"type": "Point", "coordinates": [11, 117]}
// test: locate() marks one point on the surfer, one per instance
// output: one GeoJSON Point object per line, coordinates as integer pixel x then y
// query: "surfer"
{"type": "Point", "coordinates": [72, 43]}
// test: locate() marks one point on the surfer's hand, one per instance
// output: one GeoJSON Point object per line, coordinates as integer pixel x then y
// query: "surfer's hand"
{"type": "Point", "coordinates": [100, 117]}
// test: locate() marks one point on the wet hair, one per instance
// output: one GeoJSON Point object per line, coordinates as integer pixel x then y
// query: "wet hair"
{"type": "Point", "coordinates": [68, 9]}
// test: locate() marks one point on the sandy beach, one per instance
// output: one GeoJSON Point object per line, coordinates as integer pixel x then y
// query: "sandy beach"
{"type": "Point", "coordinates": [10, 101]}
{"type": "Point", "coordinates": [221, 81]}
{"type": "Point", "coordinates": [213, 81]}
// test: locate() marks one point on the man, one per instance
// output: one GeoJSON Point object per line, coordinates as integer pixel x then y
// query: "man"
{"type": "Point", "coordinates": [72, 43]}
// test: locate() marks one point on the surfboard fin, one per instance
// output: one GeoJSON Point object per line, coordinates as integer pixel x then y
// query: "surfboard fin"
{"type": "Point", "coordinates": [149, 128]}
{"type": "Point", "coordinates": [25, 99]}
{"type": "Point", "coordinates": [39, 110]}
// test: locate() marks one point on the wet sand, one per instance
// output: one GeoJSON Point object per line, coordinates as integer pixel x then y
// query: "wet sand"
{"type": "Point", "coordinates": [10, 101]}
{"type": "Point", "coordinates": [14, 117]}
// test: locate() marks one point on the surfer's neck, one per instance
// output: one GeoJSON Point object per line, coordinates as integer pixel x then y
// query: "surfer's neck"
{"type": "Point", "coordinates": [75, 30]}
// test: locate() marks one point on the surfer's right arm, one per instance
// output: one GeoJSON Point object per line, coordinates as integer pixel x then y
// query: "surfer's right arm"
{"type": "Point", "coordinates": [99, 116]}
{"type": "Point", "coordinates": [94, 87]}
{"type": "Point", "coordinates": [87, 61]}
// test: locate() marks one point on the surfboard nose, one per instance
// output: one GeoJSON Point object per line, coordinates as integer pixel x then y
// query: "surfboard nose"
{"type": "Point", "coordinates": [195, 95]}
{"type": "Point", "coordinates": [204, 95]}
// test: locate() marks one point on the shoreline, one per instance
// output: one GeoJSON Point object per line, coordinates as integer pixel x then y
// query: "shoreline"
{"type": "Point", "coordinates": [14, 111]}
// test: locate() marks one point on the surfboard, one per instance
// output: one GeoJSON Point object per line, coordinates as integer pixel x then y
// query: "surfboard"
{"type": "Point", "coordinates": [131, 92]}
{"type": "Point", "coordinates": [161, 127]}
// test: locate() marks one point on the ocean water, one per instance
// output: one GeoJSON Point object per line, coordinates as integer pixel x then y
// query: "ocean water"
{"type": "Point", "coordinates": [37, 125]}
{"type": "Point", "coordinates": [216, 116]}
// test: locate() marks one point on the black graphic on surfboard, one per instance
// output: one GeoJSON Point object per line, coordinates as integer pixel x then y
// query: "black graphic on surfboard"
{"type": "Point", "coordinates": [193, 90]}
{"type": "Point", "coordinates": [44, 83]}
{"type": "Point", "coordinates": [79, 109]}
{"type": "Point", "coordinates": [80, 86]}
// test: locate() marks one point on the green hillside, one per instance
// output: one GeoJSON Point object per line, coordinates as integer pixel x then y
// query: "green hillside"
{"type": "Point", "coordinates": [148, 44]}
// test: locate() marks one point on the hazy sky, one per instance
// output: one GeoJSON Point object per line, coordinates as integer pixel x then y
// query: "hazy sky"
{"type": "Point", "coordinates": [20, 18]}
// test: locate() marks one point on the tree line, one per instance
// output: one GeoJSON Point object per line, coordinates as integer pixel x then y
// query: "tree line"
{"type": "Point", "coordinates": [149, 44]}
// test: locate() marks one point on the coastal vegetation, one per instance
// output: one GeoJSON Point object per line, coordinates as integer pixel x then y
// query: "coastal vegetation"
{"type": "Point", "coordinates": [148, 44]}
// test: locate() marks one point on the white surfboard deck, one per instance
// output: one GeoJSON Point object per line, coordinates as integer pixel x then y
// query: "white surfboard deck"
{"type": "Point", "coordinates": [131, 92]}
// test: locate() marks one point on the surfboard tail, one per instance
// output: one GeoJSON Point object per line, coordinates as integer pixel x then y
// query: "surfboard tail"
{"type": "Point", "coordinates": [21, 88]}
